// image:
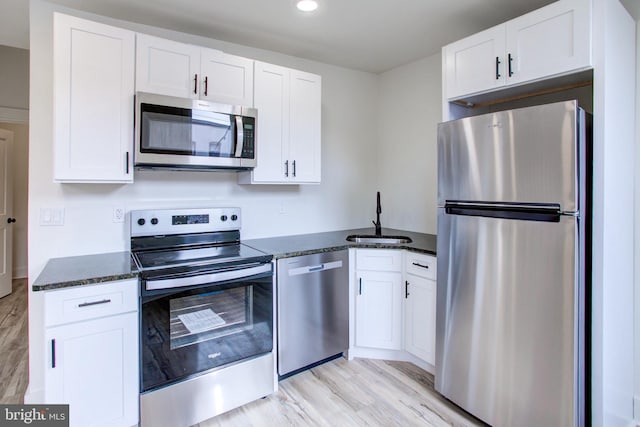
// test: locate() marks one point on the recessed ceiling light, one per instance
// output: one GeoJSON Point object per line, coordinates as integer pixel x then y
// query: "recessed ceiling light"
{"type": "Point", "coordinates": [307, 5]}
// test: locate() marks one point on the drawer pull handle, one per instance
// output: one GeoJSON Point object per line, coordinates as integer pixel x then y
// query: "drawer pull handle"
{"type": "Point", "coordinates": [360, 287]}
{"type": "Point", "coordinates": [53, 353]}
{"type": "Point", "coordinates": [406, 289]}
{"type": "Point", "coordinates": [87, 304]}
{"type": "Point", "coordinates": [417, 264]}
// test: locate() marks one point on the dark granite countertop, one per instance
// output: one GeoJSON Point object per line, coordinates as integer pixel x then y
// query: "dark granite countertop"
{"type": "Point", "coordinates": [85, 270]}
{"type": "Point", "coordinates": [304, 244]}
{"type": "Point", "coordinates": [91, 269]}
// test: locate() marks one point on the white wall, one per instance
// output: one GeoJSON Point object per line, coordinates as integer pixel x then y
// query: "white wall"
{"type": "Point", "coordinates": [637, 236]}
{"type": "Point", "coordinates": [348, 162]}
{"type": "Point", "coordinates": [14, 77]}
{"type": "Point", "coordinates": [614, 51]}
{"type": "Point", "coordinates": [409, 109]}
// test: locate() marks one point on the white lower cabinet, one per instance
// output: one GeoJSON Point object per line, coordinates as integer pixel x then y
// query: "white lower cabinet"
{"type": "Point", "coordinates": [378, 320]}
{"type": "Point", "coordinates": [420, 306]}
{"type": "Point", "coordinates": [91, 335]}
{"type": "Point", "coordinates": [379, 310]}
{"type": "Point", "coordinates": [395, 305]}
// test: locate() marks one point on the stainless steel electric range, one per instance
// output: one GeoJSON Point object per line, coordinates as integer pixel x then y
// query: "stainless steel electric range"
{"type": "Point", "coordinates": [206, 315]}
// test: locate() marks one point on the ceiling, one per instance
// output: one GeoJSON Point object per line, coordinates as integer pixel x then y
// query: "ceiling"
{"type": "Point", "coordinates": [368, 35]}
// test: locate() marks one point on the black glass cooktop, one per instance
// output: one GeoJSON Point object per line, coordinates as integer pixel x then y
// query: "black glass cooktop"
{"type": "Point", "coordinates": [168, 258]}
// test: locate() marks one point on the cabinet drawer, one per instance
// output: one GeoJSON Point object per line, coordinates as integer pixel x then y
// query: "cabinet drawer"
{"type": "Point", "coordinates": [87, 302]}
{"type": "Point", "coordinates": [379, 260]}
{"type": "Point", "coordinates": [420, 265]}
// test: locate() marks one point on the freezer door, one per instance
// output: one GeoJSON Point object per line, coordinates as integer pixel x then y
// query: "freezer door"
{"type": "Point", "coordinates": [524, 155]}
{"type": "Point", "coordinates": [508, 319]}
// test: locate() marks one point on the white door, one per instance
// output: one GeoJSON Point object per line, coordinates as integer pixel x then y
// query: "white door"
{"type": "Point", "coordinates": [6, 209]}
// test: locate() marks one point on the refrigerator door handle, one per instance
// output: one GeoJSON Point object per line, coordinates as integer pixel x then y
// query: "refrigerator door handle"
{"type": "Point", "coordinates": [523, 211]}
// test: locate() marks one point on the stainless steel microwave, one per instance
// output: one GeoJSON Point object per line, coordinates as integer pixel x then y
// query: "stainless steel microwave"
{"type": "Point", "coordinates": [179, 133]}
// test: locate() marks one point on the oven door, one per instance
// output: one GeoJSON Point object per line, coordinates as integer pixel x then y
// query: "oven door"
{"type": "Point", "coordinates": [186, 331]}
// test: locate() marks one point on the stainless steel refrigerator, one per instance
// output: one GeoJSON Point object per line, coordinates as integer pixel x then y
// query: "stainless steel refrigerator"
{"type": "Point", "coordinates": [512, 227]}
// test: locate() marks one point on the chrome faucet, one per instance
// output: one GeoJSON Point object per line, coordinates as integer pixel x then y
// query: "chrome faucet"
{"type": "Point", "coordinates": [377, 221]}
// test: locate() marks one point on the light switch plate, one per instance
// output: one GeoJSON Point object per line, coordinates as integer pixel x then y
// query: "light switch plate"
{"type": "Point", "coordinates": [52, 216]}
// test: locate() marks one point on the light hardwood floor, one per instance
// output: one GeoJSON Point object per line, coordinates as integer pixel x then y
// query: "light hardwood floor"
{"type": "Point", "coordinates": [14, 344]}
{"type": "Point", "coordinates": [361, 392]}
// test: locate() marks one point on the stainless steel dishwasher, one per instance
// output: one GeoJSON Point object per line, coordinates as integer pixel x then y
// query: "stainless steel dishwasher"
{"type": "Point", "coordinates": [312, 309]}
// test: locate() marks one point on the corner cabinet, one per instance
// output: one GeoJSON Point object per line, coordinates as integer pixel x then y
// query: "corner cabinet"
{"type": "Point", "coordinates": [91, 335]}
{"type": "Point", "coordinates": [378, 302]}
{"type": "Point", "coordinates": [93, 101]}
{"type": "Point", "coordinates": [177, 69]}
{"type": "Point", "coordinates": [420, 306]}
{"type": "Point", "coordinates": [289, 126]}
{"type": "Point", "coordinates": [547, 42]}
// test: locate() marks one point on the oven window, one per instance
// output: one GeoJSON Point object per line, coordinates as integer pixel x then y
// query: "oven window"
{"type": "Point", "coordinates": [170, 130]}
{"type": "Point", "coordinates": [189, 332]}
{"type": "Point", "coordinates": [203, 317]}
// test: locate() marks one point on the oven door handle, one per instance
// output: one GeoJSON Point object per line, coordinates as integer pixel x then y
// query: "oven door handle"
{"type": "Point", "coordinates": [201, 279]}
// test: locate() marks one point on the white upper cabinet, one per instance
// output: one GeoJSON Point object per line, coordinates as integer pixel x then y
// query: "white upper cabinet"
{"type": "Point", "coordinates": [475, 63]}
{"type": "Point", "coordinates": [305, 122]}
{"type": "Point", "coordinates": [93, 101]}
{"type": "Point", "coordinates": [547, 42]}
{"type": "Point", "coordinates": [177, 69]}
{"type": "Point", "coordinates": [289, 126]}
{"type": "Point", "coordinates": [166, 67]}
{"type": "Point", "coordinates": [226, 78]}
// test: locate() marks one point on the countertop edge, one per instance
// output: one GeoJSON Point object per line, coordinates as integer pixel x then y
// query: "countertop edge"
{"type": "Point", "coordinates": [83, 282]}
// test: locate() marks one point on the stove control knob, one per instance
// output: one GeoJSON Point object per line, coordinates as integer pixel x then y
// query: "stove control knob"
{"type": "Point", "coordinates": [234, 217]}
{"type": "Point", "coordinates": [223, 218]}
{"type": "Point", "coordinates": [141, 221]}
{"type": "Point", "coordinates": [154, 221]}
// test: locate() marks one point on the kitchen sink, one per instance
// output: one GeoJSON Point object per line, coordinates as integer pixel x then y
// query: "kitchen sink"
{"type": "Point", "coordinates": [385, 240]}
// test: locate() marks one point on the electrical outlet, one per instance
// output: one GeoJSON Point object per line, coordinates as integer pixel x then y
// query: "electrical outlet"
{"type": "Point", "coordinates": [118, 214]}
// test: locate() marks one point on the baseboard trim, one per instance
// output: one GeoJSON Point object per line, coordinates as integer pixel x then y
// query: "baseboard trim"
{"type": "Point", "coordinates": [14, 115]}
{"type": "Point", "coordinates": [20, 273]}
{"type": "Point", "coordinates": [33, 397]}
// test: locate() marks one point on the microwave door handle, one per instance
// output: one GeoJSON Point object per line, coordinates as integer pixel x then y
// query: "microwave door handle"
{"type": "Point", "coordinates": [239, 137]}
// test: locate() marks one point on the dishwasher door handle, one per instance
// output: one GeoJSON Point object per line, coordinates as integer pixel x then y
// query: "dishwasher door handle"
{"type": "Point", "coordinates": [315, 268]}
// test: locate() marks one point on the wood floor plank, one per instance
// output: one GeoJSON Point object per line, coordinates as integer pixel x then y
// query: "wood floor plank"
{"type": "Point", "coordinates": [354, 393]}
{"type": "Point", "coordinates": [14, 344]}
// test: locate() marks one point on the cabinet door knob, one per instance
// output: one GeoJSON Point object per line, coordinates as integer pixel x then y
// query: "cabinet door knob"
{"type": "Point", "coordinates": [11, 220]}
